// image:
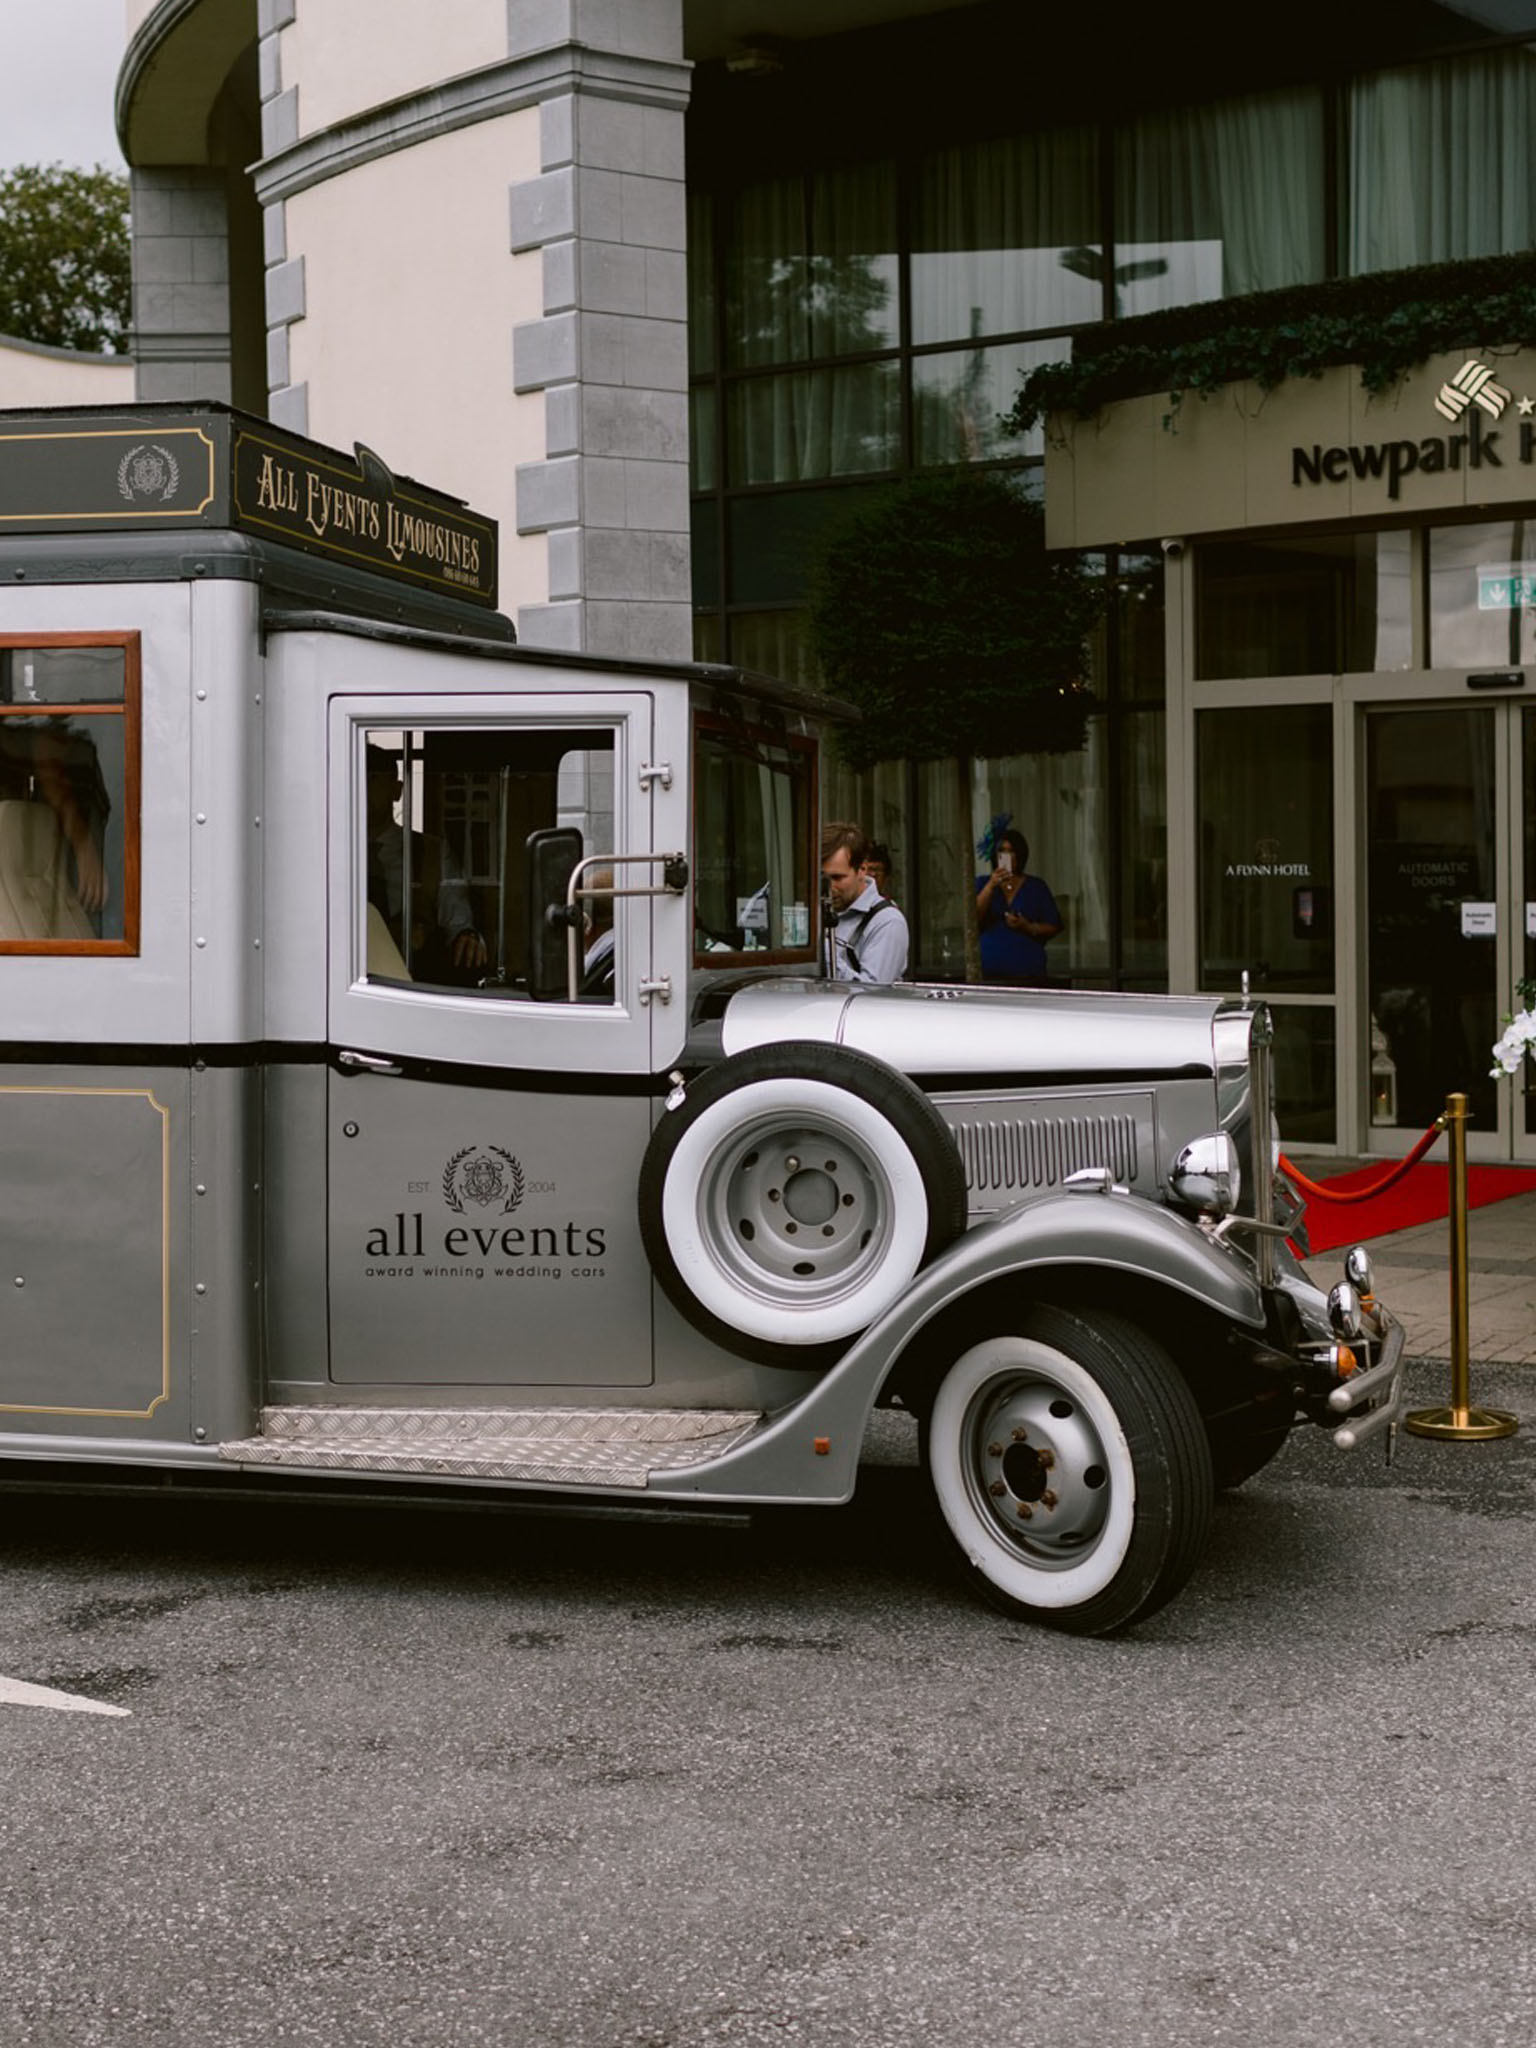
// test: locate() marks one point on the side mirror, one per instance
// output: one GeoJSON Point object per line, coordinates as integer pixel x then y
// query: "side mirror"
{"type": "Point", "coordinates": [551, 857]}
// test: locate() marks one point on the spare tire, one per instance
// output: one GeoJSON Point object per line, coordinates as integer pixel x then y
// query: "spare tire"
{"type": "Point", "coordinates": [789, 1194]}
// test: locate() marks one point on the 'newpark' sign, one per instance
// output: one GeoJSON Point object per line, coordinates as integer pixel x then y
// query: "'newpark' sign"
{"type": "Point", "coordinates": [1455, 435]}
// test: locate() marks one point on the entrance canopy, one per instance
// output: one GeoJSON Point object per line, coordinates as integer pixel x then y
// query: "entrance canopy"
{"type": "Point", "coordinates": [1458, 431]}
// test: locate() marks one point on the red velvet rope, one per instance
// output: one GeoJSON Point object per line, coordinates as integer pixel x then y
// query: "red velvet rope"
{"type": "Point", "coordinates": [1379, 1187]}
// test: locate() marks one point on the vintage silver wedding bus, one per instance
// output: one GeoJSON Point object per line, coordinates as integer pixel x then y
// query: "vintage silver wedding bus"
{"type": "Point", "coordinates": [416, 1067]}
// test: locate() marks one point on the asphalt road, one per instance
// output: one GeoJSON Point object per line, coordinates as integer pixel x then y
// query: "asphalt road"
{"type": "Point", "coordinates": [417, 1778]}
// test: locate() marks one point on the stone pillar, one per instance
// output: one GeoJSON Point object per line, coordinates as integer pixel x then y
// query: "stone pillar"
{"type": "Point", "coordinates": [181, 339]}
{"type": "Point", "coordinates": [610, 352]}
{"type": "Point", "coordinates": [287, 402]}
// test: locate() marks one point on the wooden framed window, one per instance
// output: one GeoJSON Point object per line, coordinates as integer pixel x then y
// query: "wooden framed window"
{"type": "Point", "coordinates": [69, 793]}
{"type": "Point", "coordinates": [754, 866]}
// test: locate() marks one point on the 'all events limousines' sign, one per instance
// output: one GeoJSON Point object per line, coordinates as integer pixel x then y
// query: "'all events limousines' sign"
{"type": "Point", "coordinates": [358, 512]}
{"type": "Point", "coordinates": [160, 468]}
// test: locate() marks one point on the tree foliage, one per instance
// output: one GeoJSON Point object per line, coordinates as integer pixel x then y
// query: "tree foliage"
{"type": "Point", "coordinates": [939, 614]}
{"type": "Point", "coordinates": [64, 257]}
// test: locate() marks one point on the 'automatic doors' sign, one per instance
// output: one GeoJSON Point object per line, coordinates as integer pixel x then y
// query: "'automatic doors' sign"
{"type": "Point", "coordinates": [361, 514]}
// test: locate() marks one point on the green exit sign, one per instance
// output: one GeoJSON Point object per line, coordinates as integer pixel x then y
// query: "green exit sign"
{"type": "Point", "coordinates": [1508, 589]}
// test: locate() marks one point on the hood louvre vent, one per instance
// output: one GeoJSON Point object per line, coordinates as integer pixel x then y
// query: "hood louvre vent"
{"type": "Point", "coordinates": [1010, 1156]}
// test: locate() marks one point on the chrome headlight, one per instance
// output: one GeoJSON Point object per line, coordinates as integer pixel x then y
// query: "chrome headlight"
{"type": "Point", "coordinates": [1357, 1271]}
{"type": "Point", "coordinates": [1344, 1317]}
{"type": "Point", "coordinates": [1207, 1175]}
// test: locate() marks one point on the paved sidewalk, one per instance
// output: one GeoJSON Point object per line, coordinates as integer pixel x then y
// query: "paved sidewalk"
{"type": "Point", "coordinates": [1413, 1279]}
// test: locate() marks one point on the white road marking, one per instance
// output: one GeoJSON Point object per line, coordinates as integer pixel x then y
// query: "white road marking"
{"type": "Point", "coordinates": [15, 1692]}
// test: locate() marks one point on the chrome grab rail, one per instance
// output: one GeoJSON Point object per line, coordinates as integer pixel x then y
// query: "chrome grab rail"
{"type": "Point", "coordinates": [673, 883]}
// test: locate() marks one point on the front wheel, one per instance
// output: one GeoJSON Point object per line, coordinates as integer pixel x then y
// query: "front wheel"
{"type": "Point", "coordinates": [1070, 1464]}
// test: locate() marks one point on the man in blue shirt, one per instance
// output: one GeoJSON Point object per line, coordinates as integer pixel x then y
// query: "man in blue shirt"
{"type": "Point", "coordinates": [869, 934]}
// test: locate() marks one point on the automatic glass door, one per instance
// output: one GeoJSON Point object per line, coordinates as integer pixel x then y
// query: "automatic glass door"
{"type": "Point", "coordinates": [1450, 912]}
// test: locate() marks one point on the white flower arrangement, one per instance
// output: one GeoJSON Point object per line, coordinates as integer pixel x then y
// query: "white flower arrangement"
{"type": "Point", "coordinates": [1518, 1043]}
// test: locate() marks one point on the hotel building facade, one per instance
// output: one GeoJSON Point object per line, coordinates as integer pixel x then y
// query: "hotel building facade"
{"type": "Point", "coordinates": [672, 287]}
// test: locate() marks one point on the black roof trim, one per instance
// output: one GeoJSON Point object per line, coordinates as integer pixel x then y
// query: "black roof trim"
{"type": "Point", "coordinates": [712, 675]}
{"type": "Point", "coordinates": [290, 579]}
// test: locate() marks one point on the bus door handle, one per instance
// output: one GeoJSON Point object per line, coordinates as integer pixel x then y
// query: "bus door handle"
{"type": "Point", "coordinates": [367, 1063]}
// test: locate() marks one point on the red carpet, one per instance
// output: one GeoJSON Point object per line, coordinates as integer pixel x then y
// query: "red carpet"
{"type": "Point", "coordinates": [1421, 1196]}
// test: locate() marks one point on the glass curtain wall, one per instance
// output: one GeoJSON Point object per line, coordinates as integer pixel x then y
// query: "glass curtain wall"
{"type": "Point", "coordinates": [1440, 161]}
{"type": "Point", "coordinates": [843, 347]}
{"type": "Point", "coordinates": [851, 323]}
{"type": "Point", "coordinates": [1096, 820]}
{"type": "Point", "coordinates": [1212, 202]}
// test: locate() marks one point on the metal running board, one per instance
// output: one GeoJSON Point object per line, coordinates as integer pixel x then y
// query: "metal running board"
{"type": "Point", "coordinates": [560, 1446]}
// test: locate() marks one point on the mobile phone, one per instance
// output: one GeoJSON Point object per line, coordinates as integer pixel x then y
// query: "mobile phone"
{"type": "Point", "coordinates": [1005, 860]}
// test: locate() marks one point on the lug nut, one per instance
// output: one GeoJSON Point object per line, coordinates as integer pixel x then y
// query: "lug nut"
{"type": "Point", "coordinates": [1025, 1511]}
{"type": "Point", "coordinates": [997, 1488]}
{"type": "Point", "coordinates": [1021, 1436]}
{"type": "Point", "coordinates": [1048, 1499]}
{"type": "Point", "coordinates": [1047, 1459]}
{"type": "Point", "coordinates": [994, 1450]}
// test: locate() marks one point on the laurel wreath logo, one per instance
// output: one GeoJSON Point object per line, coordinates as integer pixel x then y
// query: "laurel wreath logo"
{"type": "Point", "coordinates": [511, 1185]}
{"type": "Point", "coordinates": [144, 469]}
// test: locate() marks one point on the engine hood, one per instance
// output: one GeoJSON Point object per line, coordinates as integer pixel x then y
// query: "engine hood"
{"type": "Point", "coordinates": [1006, 1035]}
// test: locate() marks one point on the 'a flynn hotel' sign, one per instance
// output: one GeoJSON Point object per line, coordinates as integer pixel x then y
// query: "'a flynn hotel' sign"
{"type": "Point", "coordinates": [156, 468]}
{"type": "Point", "coordinates": [1456, 434]}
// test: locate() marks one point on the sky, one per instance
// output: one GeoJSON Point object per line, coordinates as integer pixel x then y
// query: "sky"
{"type": "Point", "coordinates": [58, 73]}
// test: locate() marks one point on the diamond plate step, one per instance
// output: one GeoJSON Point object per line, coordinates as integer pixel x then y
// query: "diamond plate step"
{"type": "Point", "coordinates": [564, 1446]}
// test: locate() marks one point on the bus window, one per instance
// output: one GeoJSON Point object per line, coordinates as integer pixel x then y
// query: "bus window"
{"type": "Point", "coordinates": [69, 793]}
{"type": "Point", "coordinates": [754, 804]}
{"type": "Point", "coordinates": [448, 812]}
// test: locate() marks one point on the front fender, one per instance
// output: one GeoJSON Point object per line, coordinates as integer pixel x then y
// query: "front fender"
{"type": "Point", "coordinates": [810, 1451]}
{"type": "Point", "coordinates": [1119, 1231]}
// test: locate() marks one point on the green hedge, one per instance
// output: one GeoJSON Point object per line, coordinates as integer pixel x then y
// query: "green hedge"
{"type": "Point", "coordinates": [1386, 323]}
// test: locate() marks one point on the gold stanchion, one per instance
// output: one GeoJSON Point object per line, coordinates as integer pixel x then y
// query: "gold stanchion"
{"type": "Point", "coordinates": [1460, 1420]}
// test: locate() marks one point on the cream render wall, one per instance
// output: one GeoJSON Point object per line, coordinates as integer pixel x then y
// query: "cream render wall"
{"type": "Point", "coordinates": [349, 56]}
{"type": "Point", "coordinates": [423, 233]}
{"type": "Point", "coordinates": [31, 375]}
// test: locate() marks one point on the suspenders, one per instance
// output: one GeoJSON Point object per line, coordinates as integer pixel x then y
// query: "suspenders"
{"type": "Point", "coordinates": [864, 916]}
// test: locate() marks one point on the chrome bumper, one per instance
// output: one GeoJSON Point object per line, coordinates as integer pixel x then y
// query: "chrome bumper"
{"type": "Point", "coordinates": [1372, 1400]}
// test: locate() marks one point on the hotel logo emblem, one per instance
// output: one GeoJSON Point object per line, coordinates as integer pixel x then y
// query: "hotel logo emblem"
{"type": "Point", "coordinates": [1472, 385]}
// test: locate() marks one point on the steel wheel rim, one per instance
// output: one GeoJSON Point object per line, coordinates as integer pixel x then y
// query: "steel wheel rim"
{"type": "Point", "coordinates": [1031, 1445]}
{"type": "Point", "coordinates": [796, 1213]}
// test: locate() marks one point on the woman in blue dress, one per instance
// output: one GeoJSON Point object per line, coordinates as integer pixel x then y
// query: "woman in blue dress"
{"type": "Point", "coordinates": [1016, 915]}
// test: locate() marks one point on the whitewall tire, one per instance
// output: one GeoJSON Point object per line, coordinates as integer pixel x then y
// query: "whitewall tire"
{"type": "Point", "coordinates": [788, 1200]}
{"type": "Point", "coordinates": [1070, 1465]}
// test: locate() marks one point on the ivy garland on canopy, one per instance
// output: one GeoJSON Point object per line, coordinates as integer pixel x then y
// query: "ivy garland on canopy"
{"type": "Point", "coordinates": [1385, 323]}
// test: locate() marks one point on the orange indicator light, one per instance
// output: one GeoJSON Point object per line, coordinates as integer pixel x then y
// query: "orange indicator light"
{"type": "Point", "coordinates": [821, 1445]}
